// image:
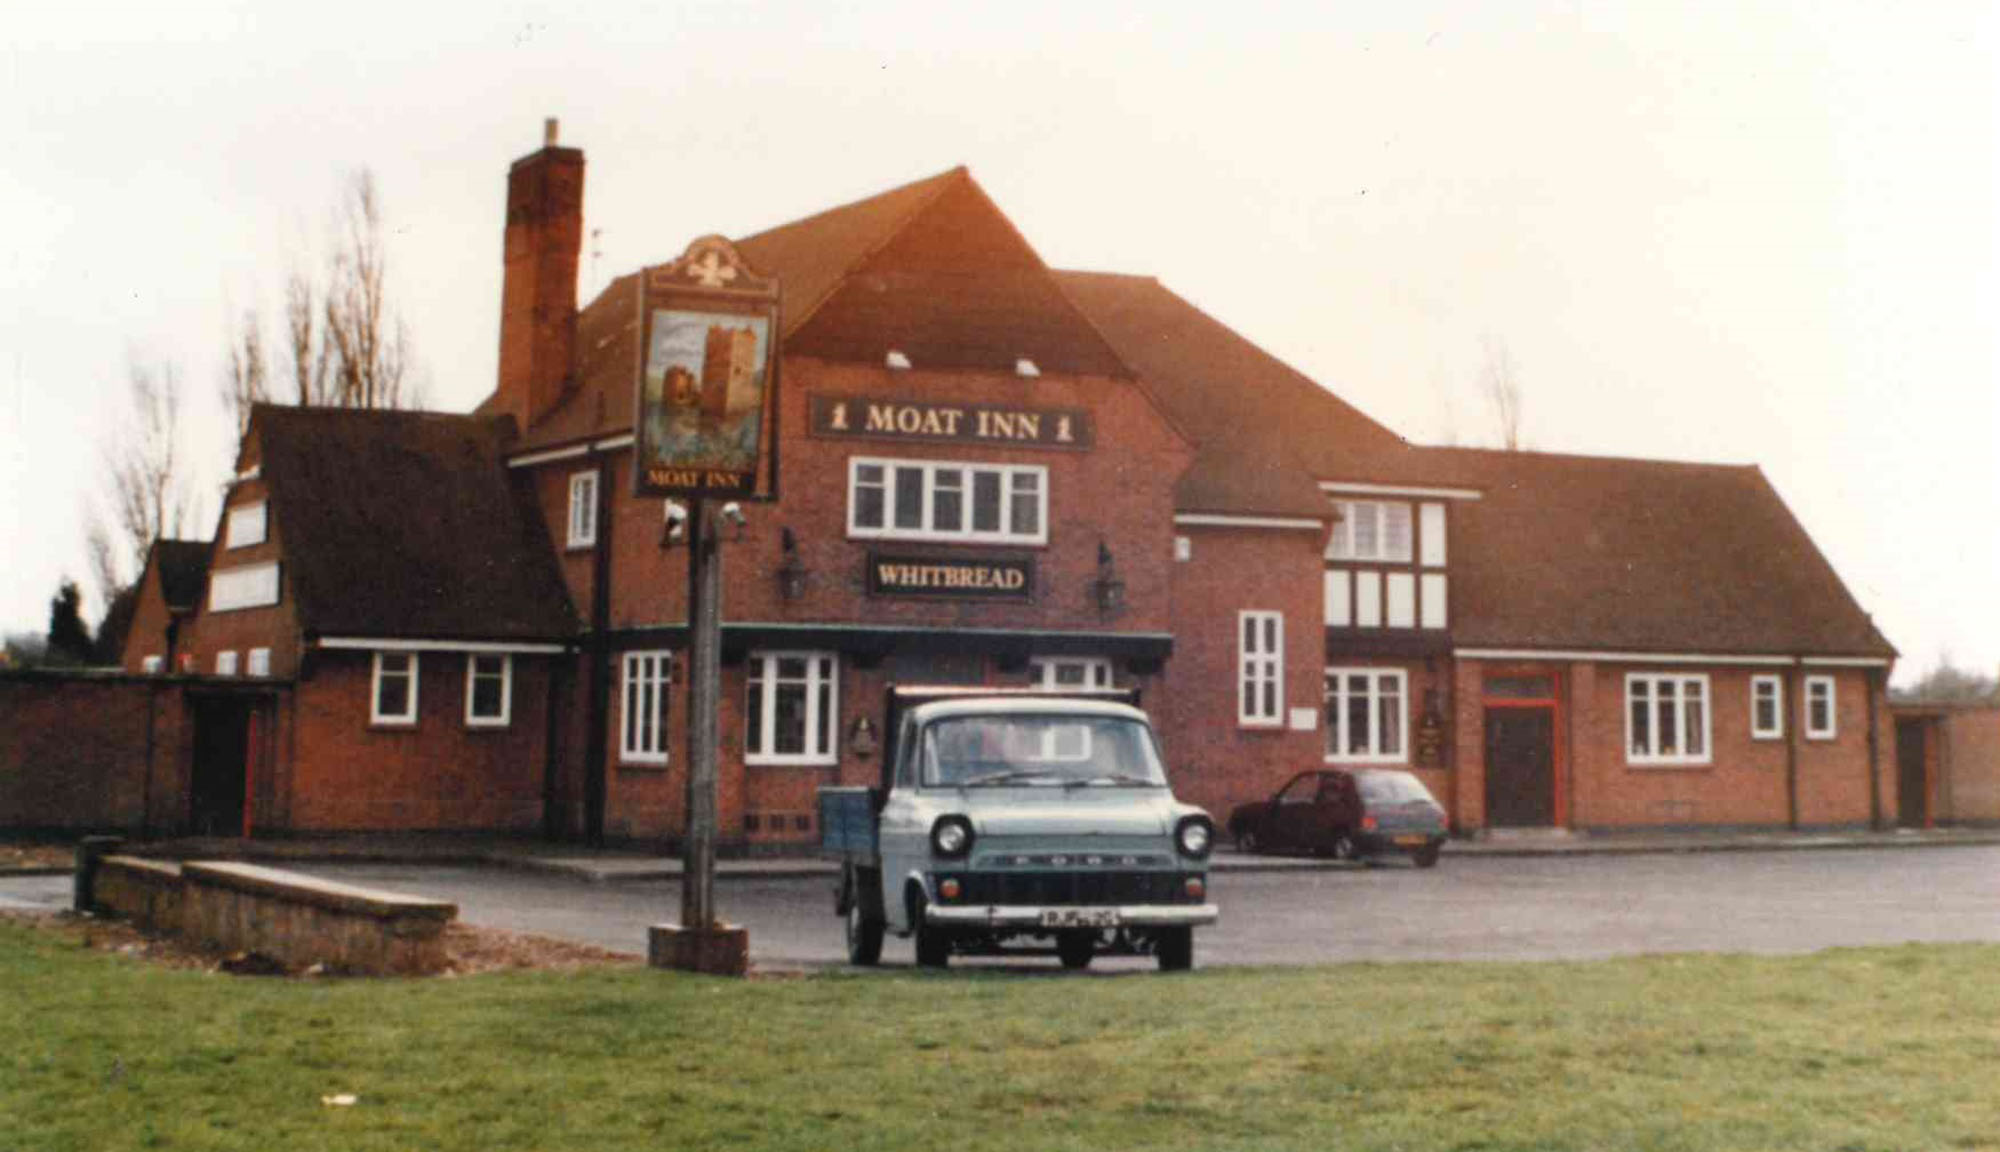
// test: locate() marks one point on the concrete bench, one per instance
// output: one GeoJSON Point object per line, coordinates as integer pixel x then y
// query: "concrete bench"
{"type": "Point", "coordinates": [293, 918]}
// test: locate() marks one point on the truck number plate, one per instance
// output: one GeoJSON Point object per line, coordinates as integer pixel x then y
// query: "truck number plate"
{"type": "Point", "coordinates": [1079, 917]}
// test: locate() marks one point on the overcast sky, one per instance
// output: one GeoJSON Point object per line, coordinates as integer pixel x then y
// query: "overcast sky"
{"type": "Point", "coordinates": [1739, 232]}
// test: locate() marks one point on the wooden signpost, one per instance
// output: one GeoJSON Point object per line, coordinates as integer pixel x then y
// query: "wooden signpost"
{"type": "Point", "coordinates": [705, 430]}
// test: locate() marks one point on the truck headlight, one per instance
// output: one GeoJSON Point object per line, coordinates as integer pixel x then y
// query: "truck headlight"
{"type": "Point", "coordinates": [1194, 836]}
{"type": "Point", "coordinates": [951, 837]}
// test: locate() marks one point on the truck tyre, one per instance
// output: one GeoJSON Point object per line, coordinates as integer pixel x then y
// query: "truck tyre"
{"type": "Point", "coordinates": [864, 931]}
{"type": "Point", "coordinates": [933, 945]}
{"type": "Point", "coordinates": [1075, 949]}
{"type": "Point", "coordinates": [1175, 949]}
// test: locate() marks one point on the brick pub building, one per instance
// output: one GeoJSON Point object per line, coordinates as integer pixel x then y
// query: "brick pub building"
{"type": "Point", "coordinates": [993, 472]}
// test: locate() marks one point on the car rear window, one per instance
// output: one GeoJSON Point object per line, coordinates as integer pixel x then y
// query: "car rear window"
{"type": "Point", "coordinates": [1392, 788]}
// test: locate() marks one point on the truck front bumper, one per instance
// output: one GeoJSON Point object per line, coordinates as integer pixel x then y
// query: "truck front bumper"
{"type": "Point", "coordinates": [1037, 915]}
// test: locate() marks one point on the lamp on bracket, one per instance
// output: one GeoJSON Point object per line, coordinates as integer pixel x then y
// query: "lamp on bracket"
{"type": "Point", "coordinates": [1110, 590]}
{"type": "Point", "coordinates": [791, 571]}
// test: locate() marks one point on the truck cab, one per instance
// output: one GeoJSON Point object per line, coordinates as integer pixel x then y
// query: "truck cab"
{"type": "Point", "coordinates": [1014, 821]}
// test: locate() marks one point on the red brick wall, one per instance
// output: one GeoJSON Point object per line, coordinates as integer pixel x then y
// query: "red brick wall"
{"type": "Point", "coordinates": [349, 775]}
{"type": "Point", "coordinates": [1212, 760]}
{"type": "Point", "coordinates": [1967, 790]}
{"type": "Point", "coordinates": [147, 634]}
{"type": "Point", "coordinates": [275, 627]}
{"type": "Point", "coordinates": [1744, 783]}
{"type": "Point", "coordinates": [74, 752]}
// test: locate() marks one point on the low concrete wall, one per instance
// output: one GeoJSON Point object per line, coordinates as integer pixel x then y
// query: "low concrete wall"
{"type": "Point", "coordinates": [295, 919]}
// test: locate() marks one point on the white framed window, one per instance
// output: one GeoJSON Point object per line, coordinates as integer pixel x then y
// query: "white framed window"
{"type": "Point", "coordinates": [1820, 722]}
{"type": "Point", "coordinates": [248, 586]}
{"type": "Point", "coordinates": [1367, 715]}
{"type": "Point", "coordinates": [1069, 672]}
{"type": "Point", "coordinates": [1666, 719]}
{"type": "Point", "coordinates": [153, 665]}
{"type": "Point", "coordinates": [582, 509]}
{"type": "Point", "coordinates": [489, 690]}
{"type": "Point", "coordinates": [642, 725]}
{"type": "Point", "coordinates": [792, 708]}
{"type": "Point", "coordinates": [1260, 650]}
{"type": "Point", "coordinates": [225, 663]}
{"type": "Point", "coordinates": [1377, 530]}
{"type": "Point", "coordinates": [392, 699]}
{"type": "Point", "coordinates": [260, 661]}
{"type": "Point", "coordinates": [945, 500]}
{"type": "Point", "coordinates": [247, 525]}
{"type": "Point", "coordinates": [1767, 707]}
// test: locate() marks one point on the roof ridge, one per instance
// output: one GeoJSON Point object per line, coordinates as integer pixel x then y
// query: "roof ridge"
{"type": "Point", "coordinates": [1579, 457]}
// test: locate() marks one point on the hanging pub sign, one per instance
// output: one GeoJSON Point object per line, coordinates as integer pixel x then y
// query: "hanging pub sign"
{"type": "Point", "coordinates": [706, 412]}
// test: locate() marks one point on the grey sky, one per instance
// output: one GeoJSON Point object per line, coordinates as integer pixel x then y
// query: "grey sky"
{"type": "Point", "coordinates": [1732, 232]}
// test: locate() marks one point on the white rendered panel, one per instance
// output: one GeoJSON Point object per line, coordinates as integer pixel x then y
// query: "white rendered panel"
{"type": "Point", "coordinates": [1402, 600]}
{"type": "Point", "coordinates": [1339, 599]}
{"type": "Point", "coordinates": [1430, 534]}
{"type": "Point", "coordinates": [1368, 599]}
{"type": "Point", "coordinates": [1434, 600]}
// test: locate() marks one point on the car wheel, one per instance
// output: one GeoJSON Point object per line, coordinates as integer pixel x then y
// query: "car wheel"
{"type": "Point", "coordinates": [1344, 847]}
{"type": "Point", "coordinates": [1075, 949]}
{"type": "Point", "coordinates": [864, 932]}
{"type": "Point", "coordinates": [1427, 856]}
{"type": "Point", "coordinates": [1175, 949]}
{"type": "Point", "coordinates": [1246, 841]}
{"type": "Point", "coordinates": [933, 943]}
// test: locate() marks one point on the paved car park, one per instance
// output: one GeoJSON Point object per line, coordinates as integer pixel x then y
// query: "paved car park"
{"type": "Point", "coordinates": [1467, 908]}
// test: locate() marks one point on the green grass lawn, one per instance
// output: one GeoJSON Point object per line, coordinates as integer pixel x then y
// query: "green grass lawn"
{"type": "Point", "coordinates": [1864, 1049]}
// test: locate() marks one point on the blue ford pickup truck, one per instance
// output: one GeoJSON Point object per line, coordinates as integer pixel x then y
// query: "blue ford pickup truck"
{"type": "Point", "coordinates": [1015, 821]}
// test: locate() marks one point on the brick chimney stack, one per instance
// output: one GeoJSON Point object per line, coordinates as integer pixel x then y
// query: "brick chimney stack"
{"type": "Point", "coordinates": [538, 290]}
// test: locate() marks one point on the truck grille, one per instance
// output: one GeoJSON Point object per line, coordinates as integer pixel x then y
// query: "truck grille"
{"type": "Point", "coordinates": [1073, 888]}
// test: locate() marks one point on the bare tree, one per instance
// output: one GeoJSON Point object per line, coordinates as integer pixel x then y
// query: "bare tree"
{"type": "Point", "coordinates": [1500, 381]}
{"type": "Point", "coordinates": [1946, 683]}
{"type": "Point", "coordinates": [346, 345]}
{"type": "Point", "coordinates": [149, 492]}
{"type": "Point", "coordinates": [246, 379]}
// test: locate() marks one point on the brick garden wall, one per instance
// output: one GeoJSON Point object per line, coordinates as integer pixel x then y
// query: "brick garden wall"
{"type": "Point", "coordinates": [75, 752]}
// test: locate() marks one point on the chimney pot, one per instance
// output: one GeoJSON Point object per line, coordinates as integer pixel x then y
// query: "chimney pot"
{"type": "Point", "coordinates": [551, 129]}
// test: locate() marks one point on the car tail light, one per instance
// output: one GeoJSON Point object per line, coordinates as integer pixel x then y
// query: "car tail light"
{"type": "Point", "coordinates": [1368, 822]}
{"type": "Point", "coordinates": [1195, 888]}
{"type": "Point", "coordinates": [948, 888]}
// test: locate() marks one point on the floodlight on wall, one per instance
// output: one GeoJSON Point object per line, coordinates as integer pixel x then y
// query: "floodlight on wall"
{"type": "Point", "coordinates": [674, 525]}
{"type": "Point", "coordinates": [1109, 588]}
{"type": "Point", "coordinates": [1026, 367]}
{"type": "Point", "coordinates": [791, 571]}
{"type": "Point", "coordinates": [896, 360]}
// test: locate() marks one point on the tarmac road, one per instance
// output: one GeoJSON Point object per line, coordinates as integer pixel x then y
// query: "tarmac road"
{"type": "Point", "coordinates": [1465, 909]}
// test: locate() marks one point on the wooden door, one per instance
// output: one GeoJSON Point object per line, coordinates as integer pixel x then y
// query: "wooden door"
{"type": "Point", "coordinates": [1520, 767]}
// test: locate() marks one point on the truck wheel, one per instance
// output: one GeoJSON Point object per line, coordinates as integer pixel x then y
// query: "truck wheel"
{"type": "Point", "coordinates": [933, 944]}
{"type": "Point", "coordinates": [864, 932]}
{"type": "Point", "coordinates": [1175, 949]}
{"type": "Point", "coordinates": [1075, 949]}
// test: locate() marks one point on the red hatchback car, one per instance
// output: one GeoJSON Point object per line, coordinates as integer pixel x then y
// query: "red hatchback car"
{"type": "Point", "coordinates": [1349, 815]}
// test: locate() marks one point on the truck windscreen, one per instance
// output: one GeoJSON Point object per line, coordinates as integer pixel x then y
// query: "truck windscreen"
{"type": "Point", "coordinates": [1030, 749]}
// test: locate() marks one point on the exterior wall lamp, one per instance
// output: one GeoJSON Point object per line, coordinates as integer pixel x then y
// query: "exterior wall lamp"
{"type": "Point", "coordinates": [791, 572]}
{"type": "Point", "coordinates": [1109, 588]}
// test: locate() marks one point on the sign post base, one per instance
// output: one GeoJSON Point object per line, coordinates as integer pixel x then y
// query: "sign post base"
{"type": "Point", "coordinates": [721, 950]}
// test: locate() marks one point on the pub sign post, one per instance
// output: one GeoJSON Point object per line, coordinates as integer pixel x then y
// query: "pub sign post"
{"type": "Point", "coordinates": [705, 430]}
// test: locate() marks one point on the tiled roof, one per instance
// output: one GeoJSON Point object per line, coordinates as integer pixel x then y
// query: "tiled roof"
{"type": "Point", "coordinates": [405, 524]}
{"type": "Point", "coordinates": [931, 269]}
{"type": "Point", "coordinates": [183, 568]}
{"type": "Point", "coordinates": [1261, 426]}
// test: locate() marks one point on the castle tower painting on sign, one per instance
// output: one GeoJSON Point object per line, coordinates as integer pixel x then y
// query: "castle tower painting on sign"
{"type": "Point", "coordinates": [704, 387]}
